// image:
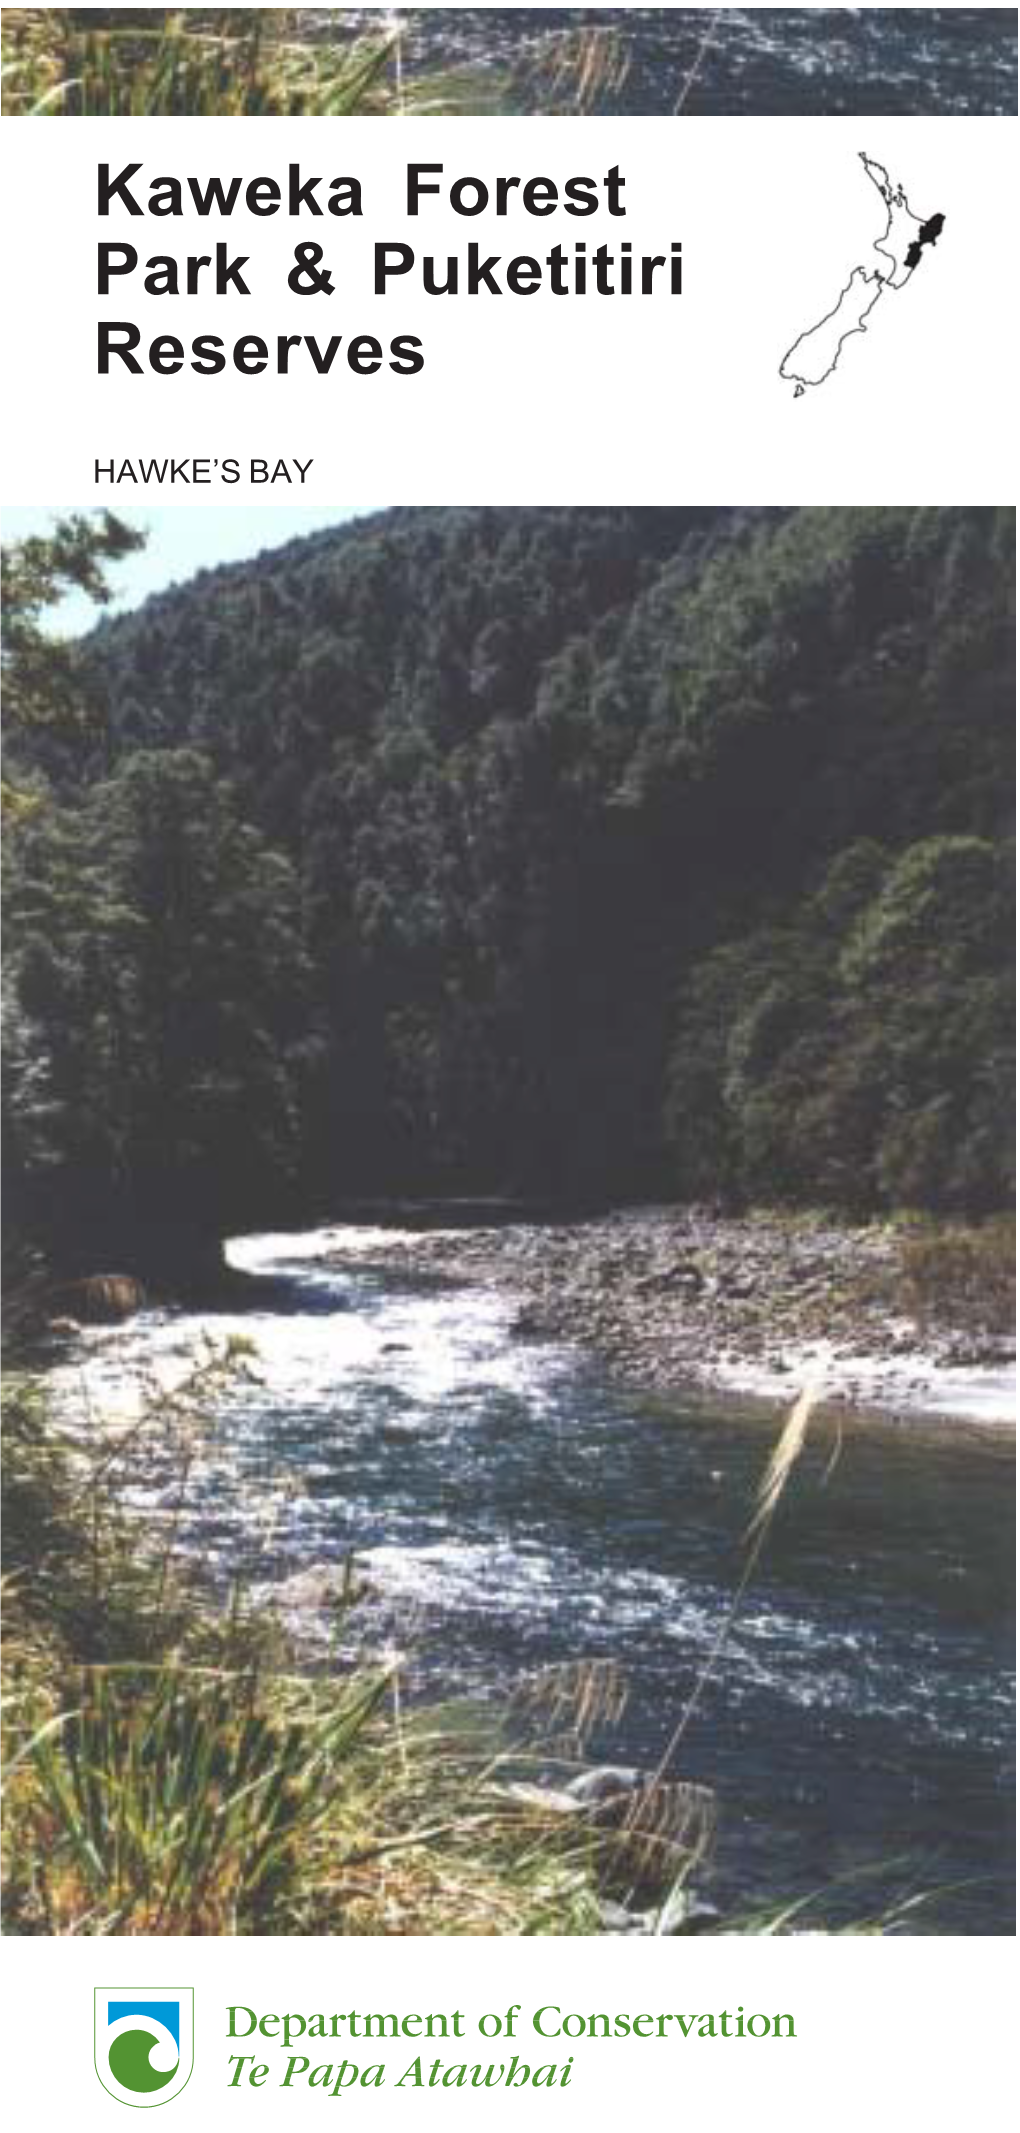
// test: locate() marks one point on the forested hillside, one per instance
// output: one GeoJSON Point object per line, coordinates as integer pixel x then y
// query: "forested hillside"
{"type": "Point", "coordinates": [598, 853]}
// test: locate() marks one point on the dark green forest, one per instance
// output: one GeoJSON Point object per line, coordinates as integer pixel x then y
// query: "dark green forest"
{"type": "Point", "coordinates": [589, 854]}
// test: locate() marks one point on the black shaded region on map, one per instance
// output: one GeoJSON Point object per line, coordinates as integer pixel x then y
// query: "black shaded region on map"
{"type": "Point", "coordinates": [930, 233]}
{"type": "Point", "coordinates": [900, 248]}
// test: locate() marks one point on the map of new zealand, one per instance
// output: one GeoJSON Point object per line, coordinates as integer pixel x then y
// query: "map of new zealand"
{"type": "Point", "coordinates": [900, 249]}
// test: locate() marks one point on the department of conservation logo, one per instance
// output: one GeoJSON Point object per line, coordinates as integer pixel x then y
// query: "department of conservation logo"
{"type": "Point", "coordinates": [144, 2044]}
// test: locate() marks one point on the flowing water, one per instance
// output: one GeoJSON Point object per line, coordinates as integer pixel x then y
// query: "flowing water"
{"type": "Point", "coordinates": [730, 60]}
{"type": "Point", "coordinates": [513, 1509]}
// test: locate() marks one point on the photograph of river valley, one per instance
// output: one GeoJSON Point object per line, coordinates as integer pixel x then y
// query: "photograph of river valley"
{"type": "Point", "coordinates": [509, 1367]}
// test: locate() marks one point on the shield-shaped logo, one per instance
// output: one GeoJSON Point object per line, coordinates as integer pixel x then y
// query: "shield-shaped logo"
{"type": "Point", "coordinates": [145, 2041]}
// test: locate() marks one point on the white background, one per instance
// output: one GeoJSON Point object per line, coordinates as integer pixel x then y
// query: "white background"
{"type": "Point", "coordinates": [889, 2033]}
{"type": "Point", "coordinates": [528, 401]}
{"type": "Point", "coordinates": [534, 399]}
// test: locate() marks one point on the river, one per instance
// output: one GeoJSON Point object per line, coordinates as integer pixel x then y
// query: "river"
{"type": "Point", "coordinates": [512, 1510]}
{"type": "Point", "coordinates": [848, 60]}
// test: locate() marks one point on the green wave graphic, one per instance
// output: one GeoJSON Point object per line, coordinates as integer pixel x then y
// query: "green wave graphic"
{"type": "Point", "coordinates": [129, 2062]}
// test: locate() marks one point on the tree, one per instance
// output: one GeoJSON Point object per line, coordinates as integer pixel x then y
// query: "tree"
{"type": "Point", "coordinates": [159, 958]}
{"type": "Point", "coordinates": [596, 820]}
{"type": "Point", "coordinates": [863, 1056]}
{"type": "Point", "coordinates": [46, 684]}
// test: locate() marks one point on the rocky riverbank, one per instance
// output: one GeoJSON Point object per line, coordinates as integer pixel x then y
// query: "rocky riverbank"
{"type": "Point", "coordinates": [673, 1298]}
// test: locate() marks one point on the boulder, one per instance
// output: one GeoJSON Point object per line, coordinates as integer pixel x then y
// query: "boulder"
{"type": "Point", "coordinates": [105, 1299]}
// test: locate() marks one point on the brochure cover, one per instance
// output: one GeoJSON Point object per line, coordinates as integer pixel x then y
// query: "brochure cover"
{"type": "Point", "coordinates": [508, 1101]}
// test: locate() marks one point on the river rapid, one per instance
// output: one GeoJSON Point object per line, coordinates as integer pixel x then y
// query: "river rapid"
{"type": "Point", "coordinates": [711, 62]}
{"type": "Point", "coordinates": [512, 1509]}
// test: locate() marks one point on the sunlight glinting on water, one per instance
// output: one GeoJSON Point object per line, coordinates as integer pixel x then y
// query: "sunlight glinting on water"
{"type": "Point", "coordinates": [509, 1509]}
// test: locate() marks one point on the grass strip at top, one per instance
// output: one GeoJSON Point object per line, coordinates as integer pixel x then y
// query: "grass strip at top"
{"type": "Point", "coordinates": [264, 63]}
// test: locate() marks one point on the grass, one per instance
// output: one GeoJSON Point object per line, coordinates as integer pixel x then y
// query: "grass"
{"type": "Point", "coordinates": [173, 1800]}
{"type": "Point", "coordinates": [170, 1768]}
{"type": "Point", "coordinates": [181, 1799]}
{"type": "Point", "coordinates": [251, 62]}
{"type": "Point", "coordinates": [232, 62]}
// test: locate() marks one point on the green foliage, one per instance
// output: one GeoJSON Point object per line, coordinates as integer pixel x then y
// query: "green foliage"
{"type": "Point", "coordinates": [43, 1542]}
{"type": "Point", "coordinates": [589, 852]}
{"type": "Point", "coordinates": [278, 62]}
{"type": "Point", "coordinates": [167, 1771]}
{"type": "Point", "coordinates": [864, 1056]}
{"type": "Point", "coordinates": [183, 1799]}
{"type": "Point", "coordinates": [159, 959]}
{"type": "Point", "coordinates": [45, 690]}
{"type": "Point", "coordinates": [187, 62]}
{"type": "Point", "coordinates": [77, 1573]}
